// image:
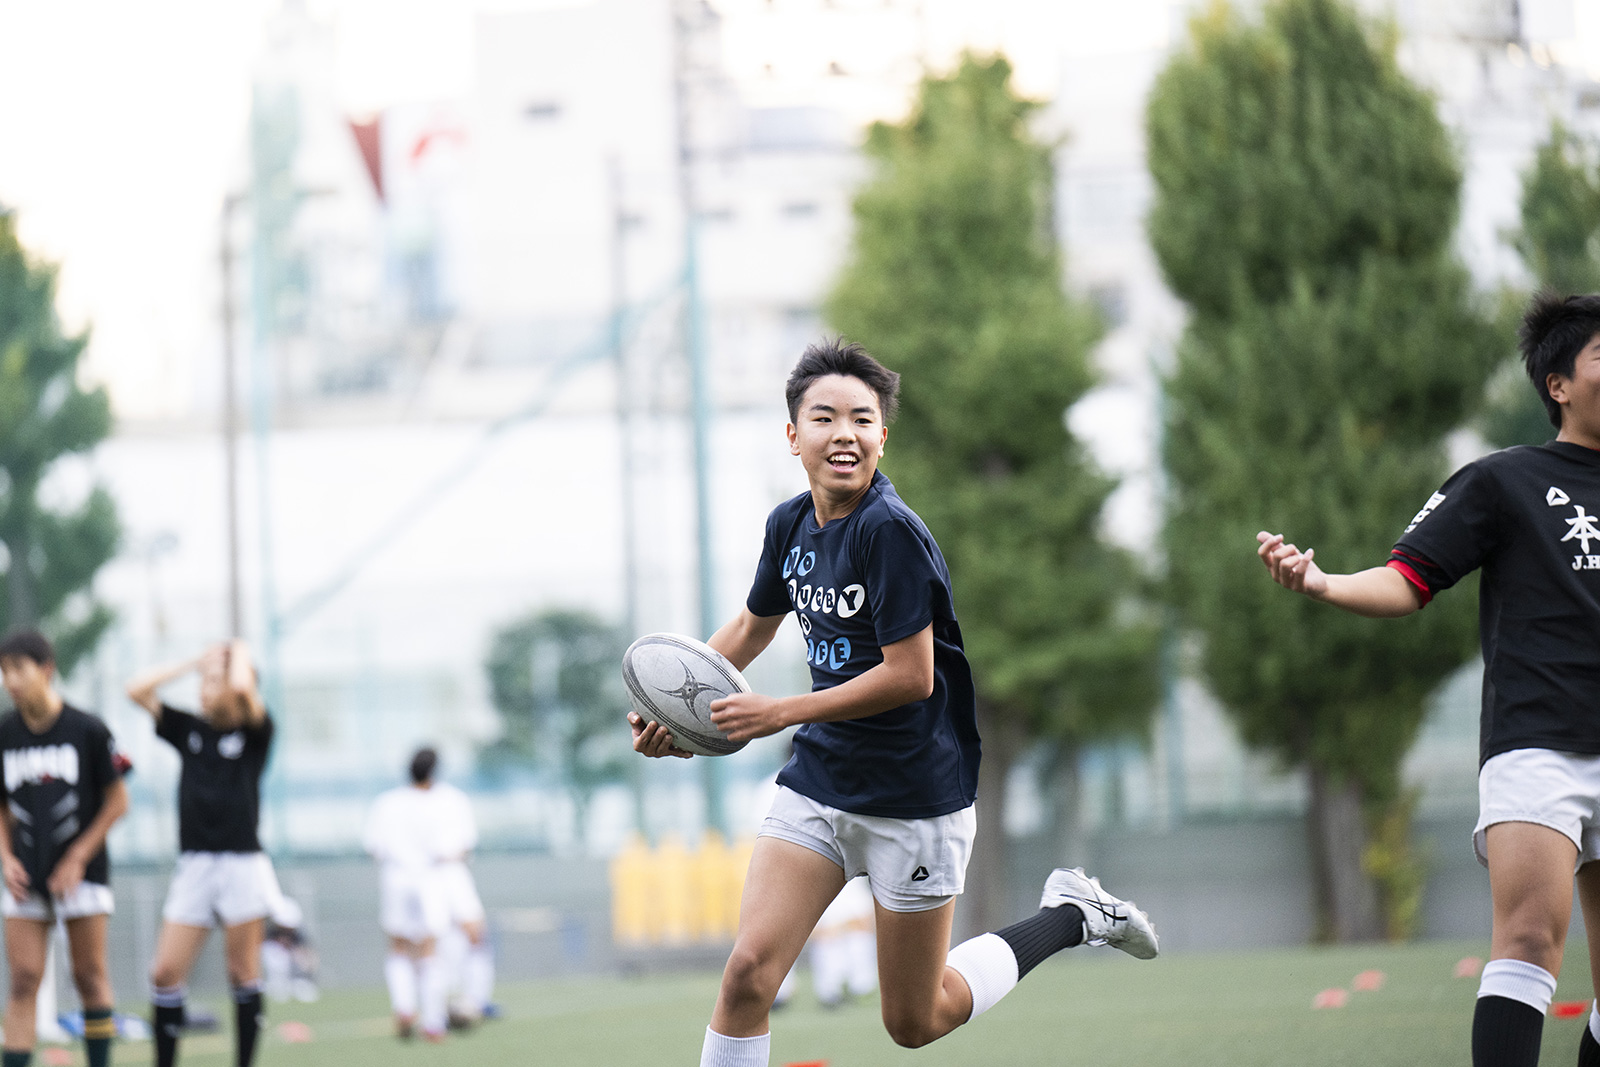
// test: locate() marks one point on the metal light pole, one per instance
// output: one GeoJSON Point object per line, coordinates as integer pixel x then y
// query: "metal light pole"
{"type": "Point", "coordinates": [688, 15]}
{"type": "Point", "coordinates": [230, 416]}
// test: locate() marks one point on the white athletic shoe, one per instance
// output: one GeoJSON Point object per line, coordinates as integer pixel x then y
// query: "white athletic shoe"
{"type": "Point", "coordinates": [1106, 919]}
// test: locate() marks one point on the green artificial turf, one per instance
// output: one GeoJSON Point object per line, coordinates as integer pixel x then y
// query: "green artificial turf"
{"type": "Point", "coordinates": [1091, 1007]}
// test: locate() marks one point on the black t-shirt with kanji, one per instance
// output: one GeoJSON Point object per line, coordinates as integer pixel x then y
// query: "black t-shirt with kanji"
{"type": "Point", "coordinates": [55, 783]}
{"type": "Point", "coordinates": [1529, 517]}
{"type": "Point", "coordinates": [219, 788]}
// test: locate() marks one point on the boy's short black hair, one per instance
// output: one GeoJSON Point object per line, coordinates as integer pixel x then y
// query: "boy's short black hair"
{"type": "Point", "coordinates": [423, 764]}
{"type": "Point", "coordinates": [1554, 330]}
{"type": "Point", "coordinates": [850, 359]}
{"type": "Point", "coordinates": [29, 643]}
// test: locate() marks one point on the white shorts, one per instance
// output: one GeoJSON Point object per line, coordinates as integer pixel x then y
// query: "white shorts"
{"type": "Point", "coordinates": [220, 888]}
{"type": "Point", "coordinates": [910, 864]}
{"type": "Point", "coordinates": [90, 898]}
{"type": "Point", "coordinates": [1560, 790]}
{"type": "Point", "coordinates": [461, 893]}
{"type": "Point", "coordinates": [413, 905]}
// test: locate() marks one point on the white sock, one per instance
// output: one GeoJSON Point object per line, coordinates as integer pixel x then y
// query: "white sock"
{"type": "Point", "coordinates": [1594, 1020]}
{"type": "Point", "coordinates": [477, 978]}
{"type": "Point", "coordinates": [720, 1050]}
{"type": "Point", "coordinates": [989, 967]}
{"type": "Point", "coordinates": [452, 956]}
{"type": "Point", "coordinates": [1518, 980]}
{"type": "Point", "coordinates": [400, 974]}
{"type": "Point", "coordinates": [431, 994]}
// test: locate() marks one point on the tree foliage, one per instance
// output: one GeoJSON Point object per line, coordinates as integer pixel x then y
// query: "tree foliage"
{"type": "Point", "coordinates": [51, 554]}
{"type": "Point", "coordinates": [1306, 194]}
{"type": "Point", "coordinates": [954, 280]}
{"type": "Point", "coordinates": [1559, 242]}
{"type": "Point", "coordinates": [556, 680]}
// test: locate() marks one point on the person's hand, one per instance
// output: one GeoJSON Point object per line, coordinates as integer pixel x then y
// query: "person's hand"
{"type": "Point", "coordinates": [68, 874]}
{"type": "Point", "coordinates": [652, 739]}
{"type": "Point", "coordinates": [17, 881]}
{"type": "Point", "coordinates": [743, 716]}
{"type": "Point", "coordinates": [1290, 567]}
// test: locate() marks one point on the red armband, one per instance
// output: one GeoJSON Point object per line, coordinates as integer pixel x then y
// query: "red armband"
{"type": "Point", "coordinates": [1410, 575]}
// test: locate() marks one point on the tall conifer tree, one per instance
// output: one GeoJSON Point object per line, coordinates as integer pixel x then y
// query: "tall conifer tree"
{"type": "Point", "coordinates": [954, 280]}
{"type": "Point", "coordinates": [1306, 194]}
{"type": "Point", "coordinates": [45, 414]}
{"type": "Point", "coordinates": [1559, 241]}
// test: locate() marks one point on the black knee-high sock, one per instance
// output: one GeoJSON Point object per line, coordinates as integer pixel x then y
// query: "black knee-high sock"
{"type": "Point", "coordinates": [1506, 1033]}
{"type": "Point", "coordinates": [1588, 1049]}
{"type": "Point", "coordinates": [1043, 935]}
{"type": "Point", "coordinates": [99, 1027]}
{"type": "Point", "coordinates": [16, 1057]}
{"type": "Point", "coordinates": [167, 1023]}
{"type": "Point", "coordinates": [247, 1022]}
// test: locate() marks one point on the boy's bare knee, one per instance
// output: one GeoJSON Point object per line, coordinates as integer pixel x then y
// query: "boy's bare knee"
{"type": "Point", "coordinates": [751, 976]}
{"type": "Point", "coordinates": [25, 982]}
{"type": "Point", "coordinates": [910, 1033]}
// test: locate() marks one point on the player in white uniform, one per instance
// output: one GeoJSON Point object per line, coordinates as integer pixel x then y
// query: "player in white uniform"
{"type": "Point", "coordinates": [464, 947]}
{"type": "Point", "coordinates": [223, 878]}
{"type": "Point", "coordinates": [409, 834]}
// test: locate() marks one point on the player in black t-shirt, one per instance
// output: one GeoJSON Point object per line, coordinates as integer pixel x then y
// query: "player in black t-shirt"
{"type": "Point", "coordinates": [1526, 518]}
{"type": "Point", "coordinates": [885, 764]}
{"type": "Point", "coordinates": [222, 878]}
{"type": "Point", "coordinates": [63, 790]}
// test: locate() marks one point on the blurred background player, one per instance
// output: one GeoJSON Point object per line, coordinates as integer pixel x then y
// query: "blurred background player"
{"type": "Point", "coordinates": [408, 836]}
{"type": "Point", "coordinates": [844, 948]}
{"type": "Point", "coordinates": [464, 949]}
{"type": "Point", "coordinates": [222, 877]}
{"type": "Point", "coordinates": [63, 791]}
{"type": "Point", "coordinates": [288, 960]}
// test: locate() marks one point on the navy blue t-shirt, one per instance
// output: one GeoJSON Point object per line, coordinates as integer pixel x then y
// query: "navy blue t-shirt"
{"type": "Point", "coordinates": [861, 582]}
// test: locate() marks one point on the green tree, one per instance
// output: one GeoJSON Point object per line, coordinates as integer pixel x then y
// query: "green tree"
{"type": "Point", "coordinates": [555, 677]}
{"type": "Point", "coordinates": [51, 554]}
{"type": "Point", "coordinates": [1559, 241]}
{"type": "Point", "coordinates": [1306, 194]}
{"type": "Point", "coordinates": [954, 280]}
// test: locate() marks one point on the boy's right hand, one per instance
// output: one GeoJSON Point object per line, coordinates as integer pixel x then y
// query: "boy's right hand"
{"type": "Point", "coordinates": [652, 739]}
{"type": "Point", "coordinates": [17, 881]}
{"type": "Point", "coordinates": [1290, 567]}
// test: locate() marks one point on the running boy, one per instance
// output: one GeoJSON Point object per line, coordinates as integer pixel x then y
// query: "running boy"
{"type": "Point", "coordinates": [222, 877]}
{"type": "Point", "coordinates": [885, 764]}
{"type": "Point", "coordinates": [63, 791]}
{"type": "Point", "coordinates": [1521, 515]}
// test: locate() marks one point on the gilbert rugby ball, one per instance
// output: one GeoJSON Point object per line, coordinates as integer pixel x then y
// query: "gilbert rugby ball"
{"type": "Point", "coordinates": [672, 680]}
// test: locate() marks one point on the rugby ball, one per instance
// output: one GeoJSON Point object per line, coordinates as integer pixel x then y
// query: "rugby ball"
{"type": "Point", "coordinates": [672, 680]}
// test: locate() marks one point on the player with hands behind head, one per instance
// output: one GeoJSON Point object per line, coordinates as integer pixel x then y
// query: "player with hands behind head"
{"type": "Point", "coordinates": [63, 792]}
{"type": "Point", "coordinates": [885, 763]}
{"type": "Point", "coordinates": [223, 878]}
{"type": "Point", "coordinates": [1522, 517]}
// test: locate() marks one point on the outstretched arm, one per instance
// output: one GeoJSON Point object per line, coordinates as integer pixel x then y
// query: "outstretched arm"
{"type": "Point", "coordinates": [142, 689]}
{"type": "Point", "coordinates": [1377, 593]}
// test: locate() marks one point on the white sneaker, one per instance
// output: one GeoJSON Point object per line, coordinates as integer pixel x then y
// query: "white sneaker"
{"type": "Point", "coordinates": [1106, 919]}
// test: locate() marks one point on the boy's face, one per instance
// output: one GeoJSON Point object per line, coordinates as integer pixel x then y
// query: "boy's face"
{"type": "Point", "coordinates": [27, 681]}
{"type": "Point", "coordinates": [1579, 396]}
{"type": "Point", "coordinates": [839, 435]}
